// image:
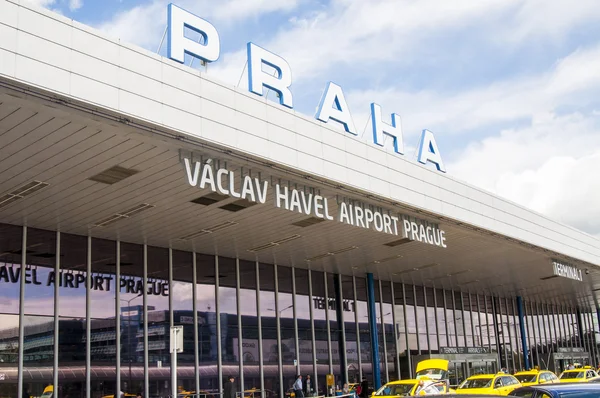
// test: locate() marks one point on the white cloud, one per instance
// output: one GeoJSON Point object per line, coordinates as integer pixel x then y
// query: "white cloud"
{"type": "Point", "coordinates": [41, 3]}
{"type": "Point", "coordinates": [75, 4]}
{"type": "Point", "coordinates": [144, 24]}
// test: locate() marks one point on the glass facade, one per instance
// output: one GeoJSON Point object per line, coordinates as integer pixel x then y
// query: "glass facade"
{"type": "Point", "coordinates": [93, 317]}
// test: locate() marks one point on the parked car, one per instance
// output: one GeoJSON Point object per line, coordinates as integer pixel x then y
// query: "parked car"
{"type": "Point", "coordinates": [499, 384]}
{"type": "Point", "coordinates": [561, 390]}
{"type": "Point", "coordinates": [533, 377]}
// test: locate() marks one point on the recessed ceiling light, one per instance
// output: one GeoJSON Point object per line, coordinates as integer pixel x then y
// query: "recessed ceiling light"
{"type": "Point", "coordinates": [21, 192]}
{"type": "Point", "coordinates": [113, 175]}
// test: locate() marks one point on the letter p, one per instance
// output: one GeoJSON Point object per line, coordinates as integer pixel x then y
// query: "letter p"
{"type": "Point", "coordinates": [178, 44]}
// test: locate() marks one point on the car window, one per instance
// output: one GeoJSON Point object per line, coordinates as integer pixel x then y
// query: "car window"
{"type": "Point", "coordinates": [544, 377]}
{"type": "Point", "coordinates": [522, 393]}
{"type": "Point", "coordinates": [509, 381]}
{"type": "Point", "coordinates": [526, 378]}
{"type": "Point", "coordinates": [498, 382]}
{"type": "Point", "coordinates": [476, 383]}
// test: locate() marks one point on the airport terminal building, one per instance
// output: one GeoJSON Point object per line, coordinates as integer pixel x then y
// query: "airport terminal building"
{"type": "Point", "coordinates": [137, 193]}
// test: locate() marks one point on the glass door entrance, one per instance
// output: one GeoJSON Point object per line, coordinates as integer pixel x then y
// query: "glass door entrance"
{"type": "Point", "coordinates": [482, 367]}
{"type": "Point", "coordinates": [457, 372]}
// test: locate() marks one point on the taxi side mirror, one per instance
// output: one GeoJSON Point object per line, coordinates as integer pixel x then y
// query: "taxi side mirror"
{"type": "Point", "coordinates": [373, 394]}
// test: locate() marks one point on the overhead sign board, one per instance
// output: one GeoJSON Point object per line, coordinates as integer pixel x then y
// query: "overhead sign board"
{"type": "Point", "coordinates": [465, 350]}
{"type": "Point", "coordinates": [176, 341]}
{"type": "Point", "coordinates": [567, 270]}
{"type": "Point", "coordinates": [270, 72]}
{"type": "Point", "coordinates": [309, 201]}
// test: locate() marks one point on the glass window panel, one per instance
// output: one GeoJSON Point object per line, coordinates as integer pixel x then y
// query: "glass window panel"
{"type": "Point", "coordinates": [249, 324]}
{"type": "Point", "coordinates": [207, 320]}
{"type": "Point", "coordinates": [10, 265]}
{"type": "Point", "coordinates": [183, 314]}
{"type": "Point", "coordinates": [269, 327]}
{"type": "Point", "coordinates": [348, 313]}
{"type": "Point", "coordinates": [286, 314]}
{"type": "Point", "coordinates": [304, 329]}
{"type": "Point", "coordinates": [38, 349]}
{"type": "Point", "coordinates": [158, 320]}
{"type": "Point", "coordinates": [363, 319]}
{"type": "Point", "coordinates": [102, 311]}
{"type": "Point", "coordinates": [72, 311]}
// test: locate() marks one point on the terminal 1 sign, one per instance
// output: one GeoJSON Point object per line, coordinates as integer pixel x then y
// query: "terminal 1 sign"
{"type": "Point", "coordinates": [278, 78]}
{"type": "Point", "coordinates": [223, 181]}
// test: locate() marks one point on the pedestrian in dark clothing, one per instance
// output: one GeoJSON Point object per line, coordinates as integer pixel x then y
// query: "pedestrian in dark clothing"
{"type": "Point", "coordinates": [364, 388]}
{"type": "Point", "coordinates": [229, 390]}
{"type": "Point", "coordinates": [308, 386]}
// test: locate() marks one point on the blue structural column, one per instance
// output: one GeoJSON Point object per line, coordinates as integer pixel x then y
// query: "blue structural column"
{"type": "Point", "coordinates": [373, 330]}
{"type": "Point", "coordinates": [523, 334]}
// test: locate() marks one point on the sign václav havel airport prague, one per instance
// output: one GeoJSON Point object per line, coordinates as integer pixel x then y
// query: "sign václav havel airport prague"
{"type": "Point", "coordinates": [278, 77]}
{"type": "Point", "coordinates": [223, 181]}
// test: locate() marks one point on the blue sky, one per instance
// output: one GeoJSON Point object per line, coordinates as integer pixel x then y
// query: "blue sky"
{"type": "Point", "coordinates": [509, 87]}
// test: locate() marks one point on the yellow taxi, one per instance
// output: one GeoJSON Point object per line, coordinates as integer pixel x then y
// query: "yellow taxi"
{"type": "Point", "coordinates": [532, 377]}
{"type": "Point", "coordinates": [48, 392]}
{"type": "Point", "coordinates": [431, 379]}
{"type": "Point", "coordinates": [126, 395]}
{"type": "Point", "coordinates": [490, 384]}
{"type": "Point", "coordinates": [578, 375]}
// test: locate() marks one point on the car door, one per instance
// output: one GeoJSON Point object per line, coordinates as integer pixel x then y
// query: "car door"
{"type": "Point", "coordinates": [498, 386]}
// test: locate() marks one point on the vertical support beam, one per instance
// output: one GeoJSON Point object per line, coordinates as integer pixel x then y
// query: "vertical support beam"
{"type": "Point", "coordinates": [278, 321]}
{"type": "Point", "coordinates": [145, 322]}
{"type": "Point", "coordinates": [497, 330]}
{"type": "Point", "coordinates": [360, 370]}
{"type": "Point", "coordinates": [339, 314]}
{"type": "Point", "coordinates": [558, 331]}
{"type": "Point", "coordinates": [510, 340]}
{"type": "Point", "coordinates": [373, 329]}
{"type": "Point", "coordinates": [22, 312]}
{"type": "Point", "coordinates": [218, 321]}
{"type": "Point", "coordinates": [88, 321]}
{"type": "Point", "coordinates": [540, 311]}
{"type": "Point", "coordinates": [172, 323]}
{"type": "Point", "coordinates": [536, 341]}
{"type": "Point", "coordinates": [487, 322]}
{"type": "Point", "coordinates": [238, 306]}
{"type": "Point", "coordinates": [454, 317]}
{"type": "Point", "coordinates": [328, 325]}
{"type": "Point", "coordinates": [547, 315]}
{"type": "Point", "coordinates": [435, 313]}
{"type": "Point", "coordinates": [472, 323]}
{"type": "Point", "coordinates": [445, 303]}
{"type": "Point", "coordinates": [426, 319]}
{"type": "Point", "coordinates": [195, 310]}
{"type": "Point", "coordinates": [480, 342]}
{"type": "Point", "coordinates": [522, 330]}
{"type": "Point", "coordinates": [397, 359]}
{"type": "Point", "coordinates": [117, 315]}
{"type": "Point", "coordinates": [462, 317]}
{"type": "Point", "coordinates": [408, 351]}
{"type": "Point", "coordinates": [294, 314]}
{"type": "Point", "coordinates": [385, 362]}
{"type": "Point", "coordinates": [416, 312]}
{"type": "Point", "coordinates": [56, 313]}
{"type": "Point", "coordinates": [516, 325]}
{"type": "Point", "coordinates": [580, 329]}
{"type": "Point", "coordinates": [261, 371]}
{"type": "Point", "coordinates": [312, 331]}
{"type": "Point", "coordinates": [527, 322]}
{"type": "Point", "coordinates": [592, 337]}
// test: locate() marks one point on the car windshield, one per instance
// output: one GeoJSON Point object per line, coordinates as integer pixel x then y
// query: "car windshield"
{"type": "Point", "coordinates": [526, 378]}
{"type": "Point", "coordinates": [572, 375]}
{"type": "Point", "coordinates": [395, 389]}
{"type": "Point", "coordinates": [476, 383]}
{"type": "Point", "coordinates": [433, 374]}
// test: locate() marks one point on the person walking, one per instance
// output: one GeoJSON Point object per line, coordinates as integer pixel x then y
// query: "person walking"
{"type": "Point", "coordinates": [298, 387]}
{"type": "Point", "coordinates": [364, 388]}
{"type": "Point", "coordinates": [229, 390]}
{"type": "Point", "coordinates": [308, 386]}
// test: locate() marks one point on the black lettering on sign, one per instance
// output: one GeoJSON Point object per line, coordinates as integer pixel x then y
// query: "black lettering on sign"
{"type": "Point", "coordinates": [15, 274]}
{"type": "Point", "coordinates": [165, 289]}
{"type": "Point", "coordinates": [35, 279]}
{"type": "Point", "coordinates": [69, 280]}
{"type": "Point", "coordinates": [98, 282]}
{"type": "Point", "coordinates": [28, 276]}
{"type": "Point", "coordinates": [4, 274]}
{"type": "Point", "coordinates": [130, 286]}
{"type": "Point", "coordinates": [51, 278]}
{"type": "Point", "coordinates": [107, 280]}
{"type": "Point", "coordinates": [79, 280]}
{"type": "Point", "coordinates": [122, 283]}
{"type": "Point", "coordinates": [139, 286]}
